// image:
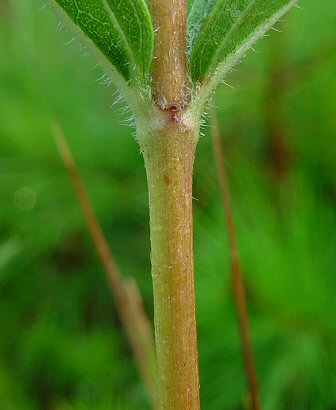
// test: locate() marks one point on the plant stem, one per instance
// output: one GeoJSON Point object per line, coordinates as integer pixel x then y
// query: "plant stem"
{"type": "Point", "coordinates": [169, 150]}
{"type": "Point", "coordinates": [125, 292]}
{"type": "Point", "coordinates": [236, 275]}
{"type": "Point", "coordinates": [170, 52]}
{"type": "Point", "coordinates": [169, 157]}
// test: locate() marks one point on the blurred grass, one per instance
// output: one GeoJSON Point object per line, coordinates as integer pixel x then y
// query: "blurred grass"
{"type": "Point", "coordinates": [61, 343]}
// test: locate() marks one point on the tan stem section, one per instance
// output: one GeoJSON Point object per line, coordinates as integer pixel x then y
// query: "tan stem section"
{"type": "Point", "coordinates": [169, 157]}
{"type": "Point", "coordinates": [170, 52]}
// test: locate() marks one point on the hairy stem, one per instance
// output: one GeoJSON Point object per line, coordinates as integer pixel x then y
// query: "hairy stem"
{"type": "Point", "coordinates": [125, 292]}
{"type": "Point", "coordinates": [237, 280]}
{"type": "Point", "coordinates": [169, 149]}
{"type": "Point", "coordinates": [170, 52]}
{"type": "Point", "coordinates": [169, 156]}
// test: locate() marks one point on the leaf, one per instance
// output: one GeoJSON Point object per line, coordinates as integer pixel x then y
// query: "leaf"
{"type": "Point", "coordinates": [120, 29]}
{"type": "Point", "coordinates": [228, 31]}
{"type": "Point", "coordinates": [198, 13]}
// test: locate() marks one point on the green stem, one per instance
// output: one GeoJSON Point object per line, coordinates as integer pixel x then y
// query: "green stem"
{"type": "Point", "coordinates": [169, 156]}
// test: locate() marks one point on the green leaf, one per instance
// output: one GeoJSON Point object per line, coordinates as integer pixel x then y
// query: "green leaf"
{"type": "Point", "coordinates": [120, 29]}
{"type": "Point", "coordinates": [198, 13]}
{"type": "Point", "coordinates": [228, 31]}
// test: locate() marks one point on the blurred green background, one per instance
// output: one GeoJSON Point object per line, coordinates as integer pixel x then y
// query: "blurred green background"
{"type": "Point", "coordinates": [61, 343]}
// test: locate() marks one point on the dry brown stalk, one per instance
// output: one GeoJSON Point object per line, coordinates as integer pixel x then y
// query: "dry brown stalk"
{"type": "Point", "coordinates": [236, 274]}
{"type": "Point", "coordinates": [125, 291]}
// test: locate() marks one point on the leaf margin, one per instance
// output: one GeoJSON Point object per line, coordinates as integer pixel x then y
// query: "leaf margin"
{"type": "Point", "coordinates": [203, 90]}
{"type": "Point", "coordinates": [199, 12]}
{"type": "Point", "coordinates": [138, 98]}
{"type": "Point", "coordinates": [110, 36]}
